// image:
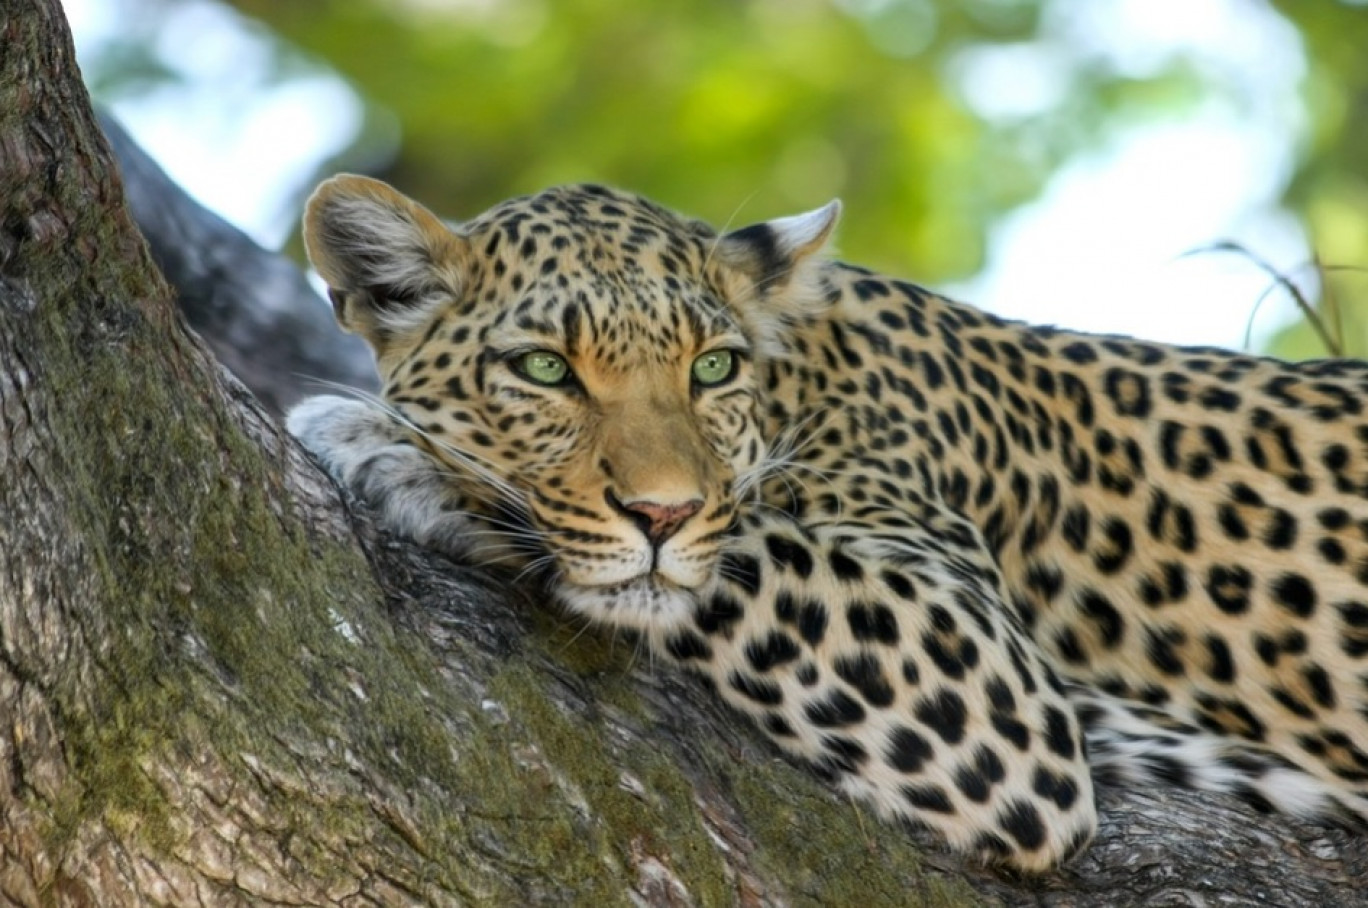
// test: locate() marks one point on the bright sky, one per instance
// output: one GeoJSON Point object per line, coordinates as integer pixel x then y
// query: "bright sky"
{"type": "Point", "coordinates": [1114, 243]}
{"type": "Point", "coordinates": [1103, 249]}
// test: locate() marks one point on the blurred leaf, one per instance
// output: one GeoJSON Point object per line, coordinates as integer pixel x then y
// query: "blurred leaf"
{"type": "Point", "coordinates": [930, 118]}
{"type": "Point", "coordinates": [733, 111]}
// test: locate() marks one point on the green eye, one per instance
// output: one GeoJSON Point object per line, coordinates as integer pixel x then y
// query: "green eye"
{"type": "Point", "coordinates": [542, 367]}
{"type": "Point", "coordinates": [714, 367]}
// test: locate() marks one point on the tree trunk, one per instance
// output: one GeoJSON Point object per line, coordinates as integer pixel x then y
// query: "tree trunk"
{"type": "Point", "coordinates": [220, 687]}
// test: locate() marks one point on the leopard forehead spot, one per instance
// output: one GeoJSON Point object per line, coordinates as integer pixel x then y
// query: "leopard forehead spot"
{"type": "Point", "coordinates": [958, 564]}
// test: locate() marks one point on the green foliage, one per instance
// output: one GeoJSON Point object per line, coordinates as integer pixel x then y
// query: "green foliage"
{"type": "Point", "coordinates": [738, 110]}
{"type": "Point", "coordinates": [1330, 188]}
{"type": "Point", "coordinates": [732, 111]}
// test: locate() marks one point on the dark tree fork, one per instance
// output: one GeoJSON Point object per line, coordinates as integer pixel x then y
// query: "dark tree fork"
{"type": "Point", "coordinates": [216, 687]}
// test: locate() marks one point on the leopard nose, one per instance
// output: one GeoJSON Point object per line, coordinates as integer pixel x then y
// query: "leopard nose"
{"type": "Point", "coordinates": [658, 521]}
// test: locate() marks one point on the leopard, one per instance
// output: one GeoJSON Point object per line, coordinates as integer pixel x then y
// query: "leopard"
{"type": "Point", "coordinates": [966, 568]}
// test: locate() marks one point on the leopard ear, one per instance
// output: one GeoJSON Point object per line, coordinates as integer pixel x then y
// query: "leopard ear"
{"type": "Point", "coordinates": [779, 266]}
{"type": "Point", "coordinates": [773, 253]}
{"type": "Point", "coordinates": [387, 261]}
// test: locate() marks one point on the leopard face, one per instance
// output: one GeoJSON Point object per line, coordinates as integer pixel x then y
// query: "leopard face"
{"type": "Point", "coordinates": [586, 366]}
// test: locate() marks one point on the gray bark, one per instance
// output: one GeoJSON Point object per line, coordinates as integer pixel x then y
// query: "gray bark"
{"type": "Point", "coordinates": [220, 686]}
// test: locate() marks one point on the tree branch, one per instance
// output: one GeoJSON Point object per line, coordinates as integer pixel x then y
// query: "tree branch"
{"type": "Point", "coordinates": [254, 308]}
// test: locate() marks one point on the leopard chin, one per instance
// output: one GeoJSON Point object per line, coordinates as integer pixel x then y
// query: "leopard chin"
{"type": "Point", "coordinates": [647, 602]}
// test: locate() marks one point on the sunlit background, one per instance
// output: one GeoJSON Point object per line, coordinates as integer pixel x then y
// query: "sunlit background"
{"type": "Point", "coordinates": [1147, 167]}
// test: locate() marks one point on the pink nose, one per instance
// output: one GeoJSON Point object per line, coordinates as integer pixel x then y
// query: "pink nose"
{"type": "Point", "coordinates": [657, 521]}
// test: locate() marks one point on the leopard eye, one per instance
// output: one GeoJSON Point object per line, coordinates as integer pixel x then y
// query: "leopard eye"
{"type": "Point", "coordinates": [714, 367]}
{"type": "Point", "coordinates": [542, 367]}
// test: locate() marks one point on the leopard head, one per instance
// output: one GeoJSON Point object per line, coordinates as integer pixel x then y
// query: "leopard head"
{"type": "Point", "coordinates": [586, 366]}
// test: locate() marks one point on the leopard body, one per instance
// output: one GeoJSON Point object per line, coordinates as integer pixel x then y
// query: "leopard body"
{"type": "Point", "coordinates": [962, 565]}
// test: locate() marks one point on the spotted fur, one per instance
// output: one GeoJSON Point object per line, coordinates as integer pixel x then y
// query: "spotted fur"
{"type": "Point", "coordinates": [923, 547]}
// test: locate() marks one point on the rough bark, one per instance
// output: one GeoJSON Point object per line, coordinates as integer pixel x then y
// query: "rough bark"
{"type": "Point", "coordinates": [220, 687]}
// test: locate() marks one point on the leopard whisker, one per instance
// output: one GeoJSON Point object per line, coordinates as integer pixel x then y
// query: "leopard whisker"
{"type": "Point", "coordinates": [783, 450]}
{"type": "Point", "coordinates": [534, 566]}
{"type": "Point", "coordinates": [481, 469]}
{"type": "Point", "coordinates": [721, 232]}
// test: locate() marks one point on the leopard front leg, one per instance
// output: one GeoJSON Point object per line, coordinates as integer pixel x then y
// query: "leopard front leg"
{"type": "Point", "coordinates": [887, 656]}
{"type": "Point", "coordinates": [372, 454]}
